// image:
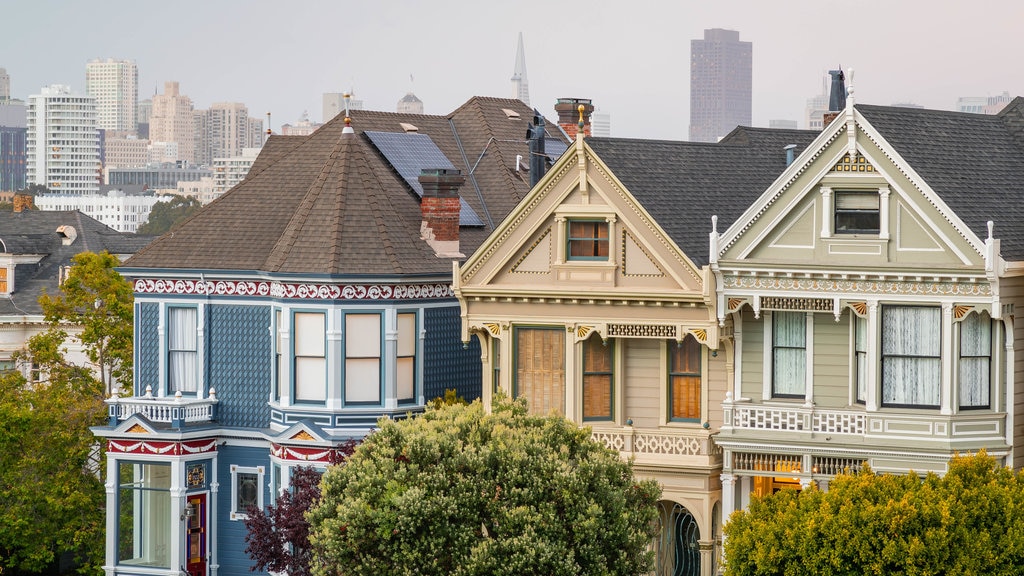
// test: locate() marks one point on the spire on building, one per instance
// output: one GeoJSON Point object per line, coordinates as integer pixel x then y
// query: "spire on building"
{"type": "Point", "coordinates": [520, 86]}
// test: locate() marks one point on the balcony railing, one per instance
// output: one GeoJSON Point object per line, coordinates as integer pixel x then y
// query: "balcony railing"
{"type": "Point", "coordinates": [176, 411]}
{"type": "Point", "coordinates": [650, 446]}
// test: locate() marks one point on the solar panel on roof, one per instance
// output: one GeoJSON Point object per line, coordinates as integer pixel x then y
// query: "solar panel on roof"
{"type": "Point", "coordinates": [554, 149]}
{"type": "Point", "coordinates": [409, 153]}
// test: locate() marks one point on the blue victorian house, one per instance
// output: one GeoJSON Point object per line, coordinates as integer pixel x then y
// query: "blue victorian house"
{"type": "Point", "coordinates": [292, 313]}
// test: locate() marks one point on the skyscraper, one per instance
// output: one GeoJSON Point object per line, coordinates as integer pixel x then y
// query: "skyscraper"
{"type": "Point", "coordinates": [5, 85]}
{"type": "Point", "coordinates": [520, 85]}
{"type": "Point", "coordinates": [63, 142]}
{"type": "Point", "coordinates": [171, 121]}
{"type": "Point", "coordinates": [720, 84]}
{"type": "Point", "coordinates": [115, 86]}
{"type": "Point", "coordinates": [224, 131]}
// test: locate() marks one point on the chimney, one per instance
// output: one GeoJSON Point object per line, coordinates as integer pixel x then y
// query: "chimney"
{"type": "Point", "coordinates": [836, 97]}
{"type": "Point", "coordinates": [569, 115]}
{"type": "Point", "coordinates": [790, 153]}
{"type": "Point", "coordinates": [439, 208]}
{"type": "Point", "coordinates": [538, 158]}
{"type": "Point", "coordinates": [23, 202]}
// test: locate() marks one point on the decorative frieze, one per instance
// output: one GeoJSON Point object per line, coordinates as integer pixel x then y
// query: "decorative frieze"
{"type": "Point", "coordinates": [858, 286]}
{"type": "Point", "coordinates": [162, 448]}
{"type": "Point", "coordinates": [294, 290]}
{"type": "Point", "coordinates": [808, 304]}
{"type": "Point", "coordinates": [641, 331]}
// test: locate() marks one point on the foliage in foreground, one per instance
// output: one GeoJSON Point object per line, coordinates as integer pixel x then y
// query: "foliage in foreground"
{"type": "Point", "coordinates": [461, 492]}
{"type": "Point", "coordinates": [970, 521]}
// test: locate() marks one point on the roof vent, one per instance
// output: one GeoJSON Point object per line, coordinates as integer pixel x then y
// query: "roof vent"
{"type": "Point", "coordinates": [408, 127]}
{"type": "Point", "coordinates": [67, 234]}
{"type": "Point", "coordinates": [510, 114]}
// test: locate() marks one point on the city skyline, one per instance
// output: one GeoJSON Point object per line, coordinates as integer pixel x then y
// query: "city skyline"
{"type": "Point", "coordinates": [632, 63]}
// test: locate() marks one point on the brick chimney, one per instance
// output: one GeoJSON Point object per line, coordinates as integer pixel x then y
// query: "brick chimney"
{"type": "Point", "coordinates": [440, 210]}
{"type": "Point", "coordinates": [23, 202]}
{"type": "Point", "coordinates": [569, 115]}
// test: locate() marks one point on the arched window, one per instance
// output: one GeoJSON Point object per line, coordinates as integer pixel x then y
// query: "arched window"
{"type": "Point", "coordinates": [677, 550]}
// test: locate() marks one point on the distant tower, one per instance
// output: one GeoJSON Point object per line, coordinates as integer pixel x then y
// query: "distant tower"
{"type": "Point", "coordinates": [115, 86]}
{"type": "Point", "coordinates": [721, 73]}
{"type": "Point", "coordinates": [63, 143]}
{"type": "Point", "coordinates": [520, 86]}
{"type": "Point", "coordinates": [410, 104]}
{"type": "Point", "coordinates": [170, 120]}
{"type": "Point", "coordinates": [5, 85]}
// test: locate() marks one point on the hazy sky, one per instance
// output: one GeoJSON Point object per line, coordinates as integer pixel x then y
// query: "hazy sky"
{"type": "Point", "coordinates": [630, 56]}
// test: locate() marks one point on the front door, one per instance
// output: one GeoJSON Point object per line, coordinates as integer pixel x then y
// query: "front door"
{"type": "Point", "coordinates": [195, 536]}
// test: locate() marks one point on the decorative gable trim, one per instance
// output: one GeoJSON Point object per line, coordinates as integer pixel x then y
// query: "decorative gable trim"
{"type": "Point", "coordinates": [294, 290]}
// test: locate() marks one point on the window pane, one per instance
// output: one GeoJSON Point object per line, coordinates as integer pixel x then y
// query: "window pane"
{"type": "Point", "coordinates": [405, 378]}
{"type": "Point", "coordinates": [247, 493]}
{"type": "Point", "coordinates": [406, 334]}
{"type": "Point", "coordinates": [861, 354]}
{"type": "Point", "coordinates": [588, 239]}
{"type": "Point", "coordinates": [857, 200]}
{"type": "Point", "coordinates": [789, 353]}
{"type": "Point", "coordinates": [362, 335]}
{"type": "Point", "coordinates": [911, 344]}
{"type": "Point", "coordinates": [975, 360]}
{"type": "Point", "coordinates": [597, 378]}
{"type": "Point", "coordinates": [310, 334]}
{"type": "Point", "coordinates": [685, 379]}
{"type": "Point", "coordinates": [540, 368]}
{"type": "Point", "coordinates": [144, 514]}
{"type": "Point", "coordinates": [182, 340]}
{"type": "Point", "coordinates": [362, 380]}
{"type": "Point", "coordinates": [310, 379]}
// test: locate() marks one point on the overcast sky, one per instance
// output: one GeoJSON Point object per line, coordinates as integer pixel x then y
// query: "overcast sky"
{"type": "Point", "coordinates": [630, 56]}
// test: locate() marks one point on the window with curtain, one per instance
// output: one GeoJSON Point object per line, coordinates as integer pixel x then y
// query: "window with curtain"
{"type": "Point", "coordinates": [540, 368]}
{"type": "Point", "coordinates": [597, 378]}
{"type": "Point", "coordinates": [857, 213]}
{"type": "Point", "coordinates": [861, 357]}
{"type": "Point", "coordinates": [362, 358]}
{"type": "Point", "coordinates": [975, 360]}
{"type": "Point", "coordinates": [181, 350]}
{"type": "Point", "coordinates": [588, 240]}
{"type": "Point", "coordinates": [789, 354]}
{"type": "Point", "coordinates": [911, 356]}
{"type": "Point", "coordinates": [309, 334]}
{"type": "Point", "coordinates": [406, 370]}
{"type": "Point", "coordinates": [684, 376]}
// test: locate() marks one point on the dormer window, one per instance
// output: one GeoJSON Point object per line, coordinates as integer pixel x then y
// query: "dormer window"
{"type": "Point", "coordinates": [588, 240]}
{"type": "Point", "coordinates": [857, 213]}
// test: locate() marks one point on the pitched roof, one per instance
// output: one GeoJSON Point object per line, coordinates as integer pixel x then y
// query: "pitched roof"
{"type": "Point", "coordinates": [683, 184]}
{"type": "Point", "coordinates": [35, 232]}
{"type": "Point", "coordinates": [974, 162]}
{"type": "Point", "coordinates": [332, 204]}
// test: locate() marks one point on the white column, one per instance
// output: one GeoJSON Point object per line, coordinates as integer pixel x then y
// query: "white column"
{"type": "Point", "coordinates": [809, 361]}
{"type": "Point", "coordinates": [766, 372]}
{"type": "Point", "coordinates": [111, 533]}
{"type": "Point", "coordinates": [728, 495]}
{"type": "Point", "coordinates": [946, 392]}
{"type": "Point", "coordinates": [335, 357]}
{"type": "Point", "coordinates": [572, 405]}
{"type": "Point", "coordinates": [826, 212]}
{"type": "Point", "coordinates": [390, 358]}
{"type": "Point", "coordinates": [178, 498]}
{"type": "Point", "coordinates": [873, 354]}
{"type": "Point", "coordinates": [737, 356]}
{"type": "Point", "coordinates": [211, 524]}
{"type": "Point", "coordinates": [883, 212]}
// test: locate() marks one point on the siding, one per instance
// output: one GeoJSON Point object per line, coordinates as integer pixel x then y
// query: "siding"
{"type": "Point", "coordinates": [446, 363]}
{"type": "Point", "coordinates": [231, 533]}
{"type": "Point", "coordinates": [238, 363]}
{"type": "Point", "coordinates": [832, 361]}
{"type": "Point", "coordinates": [642, 380]}
{"type": "Point", "coordinates": [752, 362]}
{"type": "Point", "coordinates": [1013, 291]}
{"type": "Point", "coordinates": [718, 384]}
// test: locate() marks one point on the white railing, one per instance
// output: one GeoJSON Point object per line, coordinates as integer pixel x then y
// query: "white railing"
{"type": "Point", "coordinates": [176, 409]}
{"type": "Point", "coordinates": [793, 418]}
{"type": "Point", "coordinates": [638, 442]}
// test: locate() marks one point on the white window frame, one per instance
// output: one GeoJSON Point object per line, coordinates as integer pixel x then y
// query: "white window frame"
{"type": "Point", "coordinates": [407, 359]}
{"type": "Point", "coordinates": [172, 386]}
{"type": "Point", "coordinates": [297, 342]}
{"type": "Point", "coordinates": [985, 323]}
{"type": "Point", "coordinates": [360, 349]}
{"type": "Point", "coordinates": [768, 390]}
{"type": "Point", "coordinates": [938, 357]}
{"type": "Point", "coordinates": [236, 470]}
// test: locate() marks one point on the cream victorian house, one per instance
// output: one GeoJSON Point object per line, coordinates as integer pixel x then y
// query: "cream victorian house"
{"type": "Point", "coordinates": [594, 299]}
{"type": "Point", "coordinates": [871, 293]}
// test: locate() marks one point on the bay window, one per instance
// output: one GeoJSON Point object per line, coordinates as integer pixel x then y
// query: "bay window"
{"type": "Point", "coordinates": [362, 358]}
{"type": "Point", "coordinates": [975, 360]}
{"type": "Point", "coordinates": [405, 377]}
{"type": "Point", "coordinates": [309, 334]}
{"type": "Point", "coordinates": [540, 368]}
{"type": "Point", "coordinates": [911, 356]}
{"type": "Point", "coordinates": [684, 375]}
{"type": "Point", "coordinates": [789, 354]}
{"type": "Point", "coordinates": [597, 378]}
{"type": "Point", "coordinates": [144, 514]}
{"type": "Point", "coordinates": [181, 350]}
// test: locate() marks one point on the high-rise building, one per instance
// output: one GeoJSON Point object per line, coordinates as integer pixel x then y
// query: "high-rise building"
{"type": "Point", "coordinates": [142, 112]}
{"type": "Point", "coordinates": [5, 85]}
{"type": "Point", "coordinates": [125, 152]}
{"type": "Point", "coordinates": [983, 104]}
{"type": "Point", "coordinates": [171, 121]}
{"type": "Point", "coordinates": [334, 104]}
{"type": "Point", "coordinates": [520, 85]}
{"type": "Point", "coordinates": [115, 86]}
{"type": "Point", "coordinates": [13, 132]}
{"type": "Point", "coordinates": [601, 124]}
{"type": "Point", "coordinates": [721, 72]}
{"type": "Point", "coordinates": [224, 131]}
{"type": "Point", "coordinates": [63, 142]}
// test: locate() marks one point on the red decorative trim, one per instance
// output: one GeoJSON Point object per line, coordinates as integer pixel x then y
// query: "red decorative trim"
{"type": "Point", "coordinates": [299, 454]}
{"type": "Point", "coordinates": [162, 448]}
{"type": "Point", "coordinates": [300, 291]}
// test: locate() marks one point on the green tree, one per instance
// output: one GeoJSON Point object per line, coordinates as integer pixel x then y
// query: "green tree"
{"type": "Point", "coordinates": [457, 491]}
{"type": "Point", "coordinates": [165, 215]}
{"type": "Point", "coordinates": [970, 521]}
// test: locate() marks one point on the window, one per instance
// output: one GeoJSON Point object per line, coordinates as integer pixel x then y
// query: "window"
{"type": "Point", "coordinates": [684, 372]}
{"type": "Point", "coordinates": [789, 354]}
{"type": "Point", "coordinates": [144, 514]}
{"type": "Point", "coordinates": [597, 378]}
{"type": "Point", "coordinates": [362, 358]}
{"type": "Point", "coordinates": [279, 376]}
{"type": "Point", "coordinates": [857, 213]}
{"type": "Point", "coordinates": [246, 490]}
{"type": "Point", "coordinates": [496, 364]}
{"type": "Point", "coordinates": [181, 350]}
{"type": "Point", "coordinates": [405, 377]}
{"type": "Point", "coordinates": [975, 360]}
{"type": "Point", "coordinates": [588, 240]}
{"type": "Point", "coordinates": [861, 357]}
{"type": "Point", "coordinates": [911, 367]}
{"type": "Point", "coordinates": [309, 329]}
{"type": "Point", "coordinates": [540, 368]}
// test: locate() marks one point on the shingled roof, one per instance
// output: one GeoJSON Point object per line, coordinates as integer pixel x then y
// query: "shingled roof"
{"type": "Point", "coordinates": [34, 232]}
{"type": "Point", "coordinates": [974, 162]}
{"type": "Point", "coordinates": [683, 184]}
{"type": "Point", "coordinates": [331, 204]}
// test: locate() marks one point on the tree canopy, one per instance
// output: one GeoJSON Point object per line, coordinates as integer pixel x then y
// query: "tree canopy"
{"type": "Point", "coordinates": [458, 491]}
{"type": "Point", "coordinates": [969, 521]}
{"type": "Point", "coordinates": [165, 215]}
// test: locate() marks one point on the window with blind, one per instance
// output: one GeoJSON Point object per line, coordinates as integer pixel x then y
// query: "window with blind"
{"type": "Point", "coordinates": [182, 340]}
{"type": "Point", "coordinates": [684, 380]}
{"type": "Point", "coordinates": [789, 354]}
{"type": "Point", "coordinates": [857, 213]}
{"type": "Point", "coordinates": [911, 356]}
{"type": "Point", "coordinates": [405, 376]}
{"type": "Point", "coordinates": [540, 368]}
{"type": "Point", "coordinates": [362, 359]}
{"type": "Point", "coordinates": [975, 360]}
{"type": "Point", "coordinates": [588, 240]}
{"type": "Point", "coordinates": [598, 378]}
{"type": "Point", "coordinates": [310, 341]}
